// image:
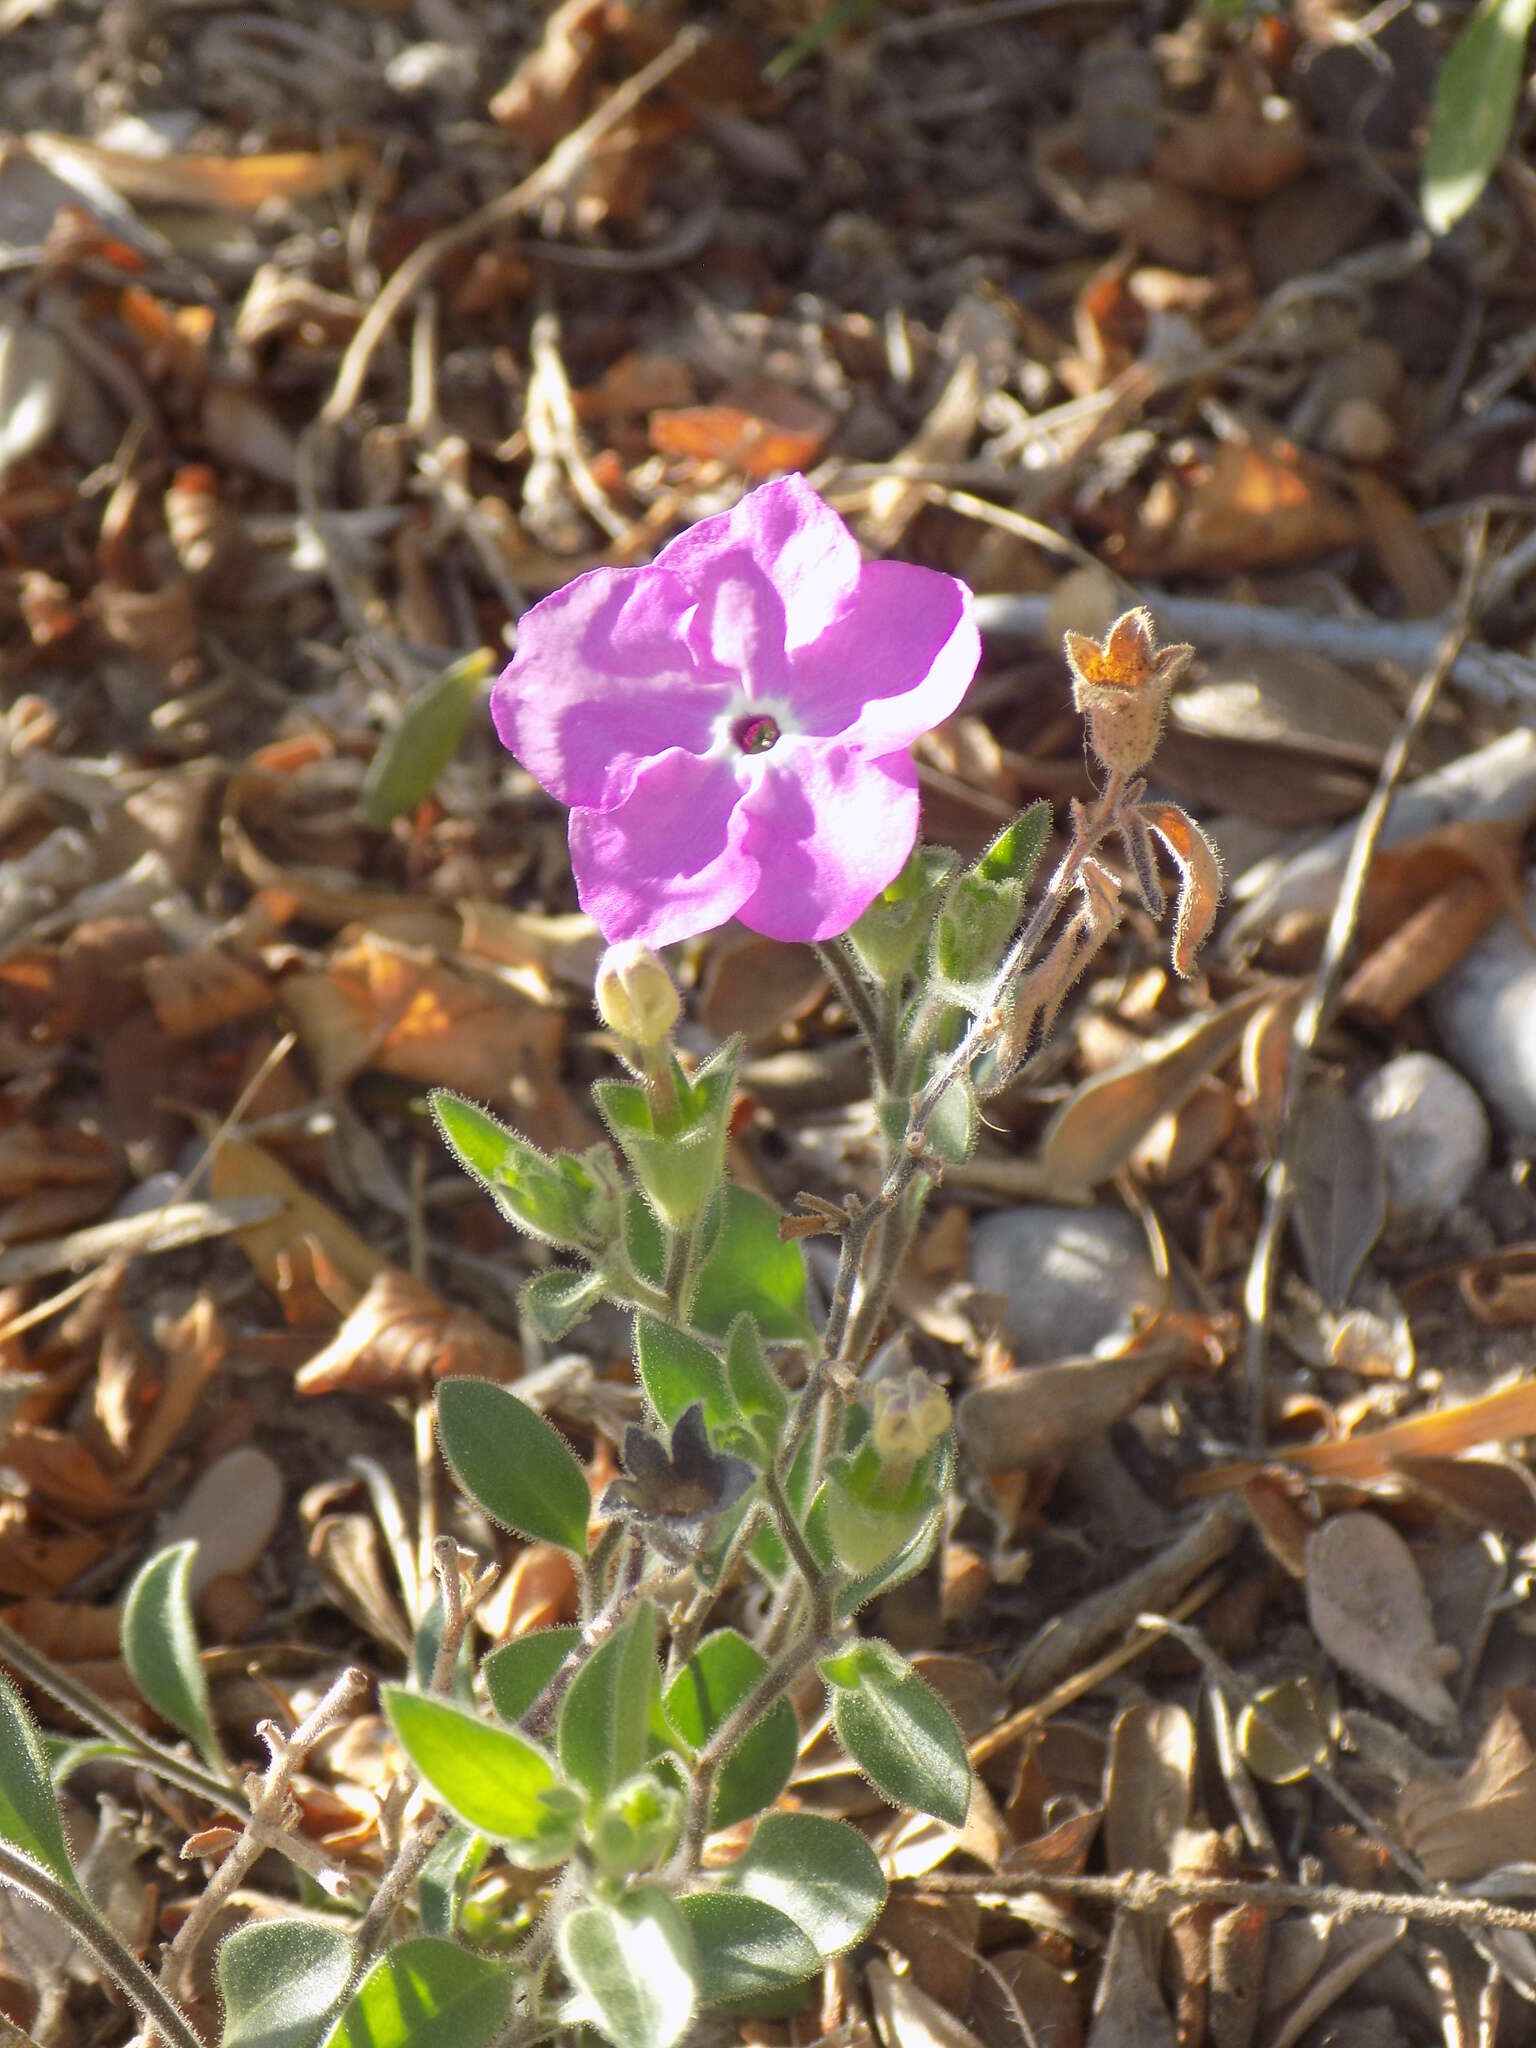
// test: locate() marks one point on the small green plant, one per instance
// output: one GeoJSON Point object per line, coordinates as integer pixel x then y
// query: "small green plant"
{"type": "Point", "coordinates": [1475, 102]}
{"type": "Point", "coordinates": [560, 1862]}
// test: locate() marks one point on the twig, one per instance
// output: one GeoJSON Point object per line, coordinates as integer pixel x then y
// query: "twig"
{"type": "Point", "coordinates": [1140, 1891]}
{"type": "Point", "coordinates": [100, 1942]}
{"type": "Point", "coordinates": [269, 1821]}
{"type": "Point", "coordinates": [408, 1859]}
{"type": "Point", "coordinates": [1050, 1655]}
{"type": "Point", "coordinates": [1489, 672]}
{"type": "Point", "coordinates": [16, 1651]}
{"type": "Point", "coordinates": [545, 182]}
{"type": "Point", "coordinates": [1317, 1004]}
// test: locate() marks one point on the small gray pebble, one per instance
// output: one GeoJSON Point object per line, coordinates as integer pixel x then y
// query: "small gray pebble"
{"type": "Point", "coordinates": [1069, 1278]}
{"type": "Point", "coordinates": [1431, 1131]}
{"type": "Point", "coordinates": [230, 1513]}
{"type": "Point", "coordinates": [1485, 1013]}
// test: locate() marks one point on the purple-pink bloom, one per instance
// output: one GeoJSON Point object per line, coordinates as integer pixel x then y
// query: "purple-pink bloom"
{"type": "Point", "coordinates": [730, 726]}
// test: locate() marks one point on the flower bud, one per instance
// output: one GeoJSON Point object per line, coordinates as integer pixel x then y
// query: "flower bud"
{"type": "Point", "coordinates": [911, 1414]}
{"type": "Point", "coordinates": [635, 996]}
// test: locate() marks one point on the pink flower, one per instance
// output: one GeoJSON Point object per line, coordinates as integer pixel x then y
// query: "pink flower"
{"type": "Point", "coordinates": [731, 725]}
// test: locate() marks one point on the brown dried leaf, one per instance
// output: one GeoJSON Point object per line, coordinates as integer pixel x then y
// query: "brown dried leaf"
{"type": "Point", "coordinates": [1463, 1827]}
{"type": "Point", "coordinates": [1148, 1799]}
{"type": "Point", "coordinates": [238, 184]}
{"type": "Point", "coordinates": [1033, 1418]}
{"type": "Point", "coordinates": [1339, 1189]}
{"type": "Point", "coordinates": [240, 1168]}
{"type": "Point", "coordinates": [1101, 1123]}
{"type": "Point", "coordinates": [1199, 880]}
{"type": "Point", "coordinates": [757, 986]}
{"type": "Point", "coordinates": [1352, 1946]}
{"type": "Point", "coordinates": [1128, 2011]}
{"type": "Point", "coordinates": [1245, 508]}
{"type": "Point", "coordinates": [195, 993]}
{"type": "Point", "coordinates": [762, 431]}
{"type": "Point", "coordinates": [401, 1338]}
{"type": "Point", "coordinates": [1369, 1610]}
{"type": "Point", "coordinates": [543, 99]}
{"type": "Point", "coordinates": [537, 1590]}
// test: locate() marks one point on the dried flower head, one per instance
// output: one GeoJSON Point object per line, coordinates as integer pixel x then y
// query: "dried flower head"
{"type": "Point", "coordinates": [1121, 688]}
{"type": "Point", "coordinates": [682, 1486]}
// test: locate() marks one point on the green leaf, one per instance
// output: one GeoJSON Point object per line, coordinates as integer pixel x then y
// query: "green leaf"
{"type": "Point", "coordinates": [755, 1385]}
{"type": "Point", "coordinates": [446, 1877]}
{"type": "Point", "coordinates": [822, 1873]}
{"type": "Point", "coordinates": [160, 1648]}
{"type": "Point", "coordinates": [746, 1272]}
{"type": "Point", "coordinates": [517, 1466]}
{"type": "Point", "coordinates": [556, 1301]}
{"type": "Point", "coordinates": [540, 1195]}
{"type": "Point", "coordinates": [65, 1758]}
{"type": "Point", "coordinates": [408, 761]}
{"type": "Point", "coordinates": [956, 1120]}
{"type": "Point", "coordinates": [747, 1950]}
{"type": "Point", "coordinates": [29, 1813]}
{"type": "Point", "coordinates": [676, 1149]}
{"type": "Point", "coordinates": [676, 1370]}
{"type": "Point", "coordinates": [716, 1679]}
{"type": "Point", "coordinates": [986, 903]}
{"type": "Point", "coordinates": [749, 1271]}
{"type": "Point", "coordinates": [517, 1672]}
{"type": "Point", "coordinates": [898, 1731]}
{"type": "Point", "coordinates": [632, 1964]}
{"type": "Point", "coordinates": [604, 1732]}
{"type": "Point", "coordinates": [497, 1781]}
{"type": "Point", "coordinates": [1475, 102]}
{"type": "Point", "coordinates": [426, 1994]}
{"type": "Point", "coordinates": [281, 1981]}
{"type": "Point", "coordinates": [890, 934]}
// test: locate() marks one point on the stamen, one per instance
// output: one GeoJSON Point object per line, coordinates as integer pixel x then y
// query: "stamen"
{"type": "Point", "coordinates": [755, 734]}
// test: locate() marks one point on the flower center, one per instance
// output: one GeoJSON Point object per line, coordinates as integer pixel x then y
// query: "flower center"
{"type": "Point", "coordinates": [755, 734]}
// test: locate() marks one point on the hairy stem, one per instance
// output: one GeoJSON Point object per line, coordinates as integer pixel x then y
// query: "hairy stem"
{"type": "Point", "coordinates": [79, 1699]}
{"type": "Point", "coordinates": [99, 1941]}
{"type": "Point", "coordinates": [865, 1006]}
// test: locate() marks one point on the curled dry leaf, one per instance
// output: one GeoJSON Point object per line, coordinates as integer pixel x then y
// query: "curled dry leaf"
{"type": "Point", "coordinates": [401, 1338]}
{"type": "Point", "coordinates": [1460, 1828]}
{"type": "Point", "coordinates": [1369, 1610]}
{"type": "Point", "coordinates": [195, 993]}
{"type": "Point", "coordinates": [1199, 880]}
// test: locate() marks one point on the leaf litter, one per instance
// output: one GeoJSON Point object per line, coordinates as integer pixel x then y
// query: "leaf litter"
{"type": "Point", "coordinates": [282, 444]}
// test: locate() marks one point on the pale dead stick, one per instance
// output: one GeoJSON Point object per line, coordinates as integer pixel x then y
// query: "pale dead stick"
{"type": "Point", "coordinates": [550, 178]}
{"type": "Point", "coordinates": [1318, 1003]}
{"type": "Point", "coordinates": [1141, 1890]}
{"type": "Point", "coordinates": [42, 1310]}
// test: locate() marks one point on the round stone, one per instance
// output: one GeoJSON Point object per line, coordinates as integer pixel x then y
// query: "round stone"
{"type": "Point", "coordinates": [1431, 1131]}
{"type": "Point", "coordinates": [1485, 1013]}
{"type": "Point", "coordinates": [1069, 1278]}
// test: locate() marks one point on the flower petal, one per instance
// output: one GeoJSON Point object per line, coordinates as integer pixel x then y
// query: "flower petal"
{"type": "Point", "coordinates": [667, 861]}
{"type": "Point", "coordinates": [798, 542]}
{"type": "Point", "coordinates": [602, 681]}
{"type": "Point", "coordinates": [829, 829]}
{"type": "Point", "coordinates": [738, 630]}
{"type": "Point", "coordinates": [894, 663]}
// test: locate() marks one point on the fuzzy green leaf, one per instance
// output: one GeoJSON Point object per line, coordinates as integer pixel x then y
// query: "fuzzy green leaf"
{"type": "Point", "coordinates": [281, 1981]}
{"type": "Point", "coordinates": [604, 1731]}
{"type": "Point", "coordinates": [676, 1370]}
{"type": "Point", "coordinates": [517, 1672]}
{"type": "Point", "coordinates": [822, 1873]}
{"type": "Point", "coordinates": [29, 1812]}
{"type": "Point", "coordinates": [747, 1950]}
{"type": "Point", "coordinates": [898, 1731]}
{"type": "Point", "coordinates": [160, 1648]}
{"type": "Point", "coordinates": [426, 1994]}
{"type": "Point", "coordinates": [715, 1680]}
{"type": "Point", "coordinates": [409, 760]}
{"type": "Point", "coordinates": [494, 1779]}
{"type": "Point", "coordinates": [1475, 102]}
{"type": "Point", "coordinates": [517, 1466]}
{"type": "Point", "coordinates": [632, 1964]}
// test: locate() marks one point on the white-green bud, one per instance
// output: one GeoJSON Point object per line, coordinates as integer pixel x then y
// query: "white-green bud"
{"type": "Point", "coordinates": [636, 997]}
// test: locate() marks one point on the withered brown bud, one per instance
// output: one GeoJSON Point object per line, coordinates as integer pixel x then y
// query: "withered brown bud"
{"type": "Point", "coordinates": [1121, 688]}
{"type": "Point", "coordinates": [1199, 880]}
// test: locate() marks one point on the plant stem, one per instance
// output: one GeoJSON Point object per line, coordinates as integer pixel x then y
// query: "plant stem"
{"type": "Point", "coordinates": [80, 1700]}
{"type": "Point", "coordinates": [863, 1004]}
{"type": "Point", "coordinates": [818, 1584]}
{"type": "Point", "coordinates": [100, 1942]}
{"type": "Point", "coordinates": [741, 1720]}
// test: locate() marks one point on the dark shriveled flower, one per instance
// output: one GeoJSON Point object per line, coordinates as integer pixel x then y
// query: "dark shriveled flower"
{"type": "Point", "coordinates": [683, 1487]}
